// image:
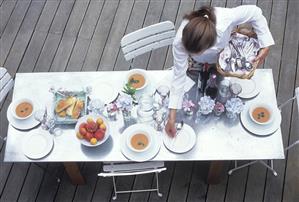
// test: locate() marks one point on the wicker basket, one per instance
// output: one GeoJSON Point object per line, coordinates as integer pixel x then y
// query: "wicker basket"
{"type": "Point", "coordinates": [248, 31]}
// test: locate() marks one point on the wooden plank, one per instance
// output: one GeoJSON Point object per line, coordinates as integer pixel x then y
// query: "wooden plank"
{"type": "Point", "coordinates": [287, 79]}
{"type": "Point", "coordinates": [180, 182]}
{"type": "Point", "coordinates": [62, 54]}
{"type": "Point", "coordinates": [157, 58]}
{"type": "Point", "coordinates": [32, 183]}
{"type": "Point", "coordinates": [61, 17]}
{"type": "Point", "coordinates": [86, 32]}
{"type": "Point", "coordinates": [198, 187]}
{"type": "Point", "coordinates": [14, 182]}
{"type": "Point", "coordinates": [291, 183]}
{"type": "Point", "coordinates": [49, 185]}
{"type": "Point", "coordinates": [153, 16]}
{"type": "Point", "coordinates": [78, 55]}
{"type": "Point", "coordinates": [47, 54]}
{"type": "Point", "coordinates": [84, 193]}
{"type": "Point", "coordinates": [6, 10]}
{"type": "Point", "coordinates": [91, 18]}
{"type": "Point", "coordinates": [103, 189]}
{"type": "Point", "coordinates": [277, 28]}
{"type": "Point", "coordinates": [136, 22]}
{"type": "Point", "coordinates": [100, 36]}
{"type": "Point", "coordinates": [165, 179]}
{"type": "Point", "coordinates": [108, 58]}
{"type": "Point", "coordinates": [73, 171]}
{"type": "Point", "coordinates": [12, 29]}
{"type": "Point", "coordinates": [217, 192]}
{"type": "Point", "coordinates": [47, 15]}
{"type": "Point", "coordinates": [24, 35]}
{"type": "Point", "coordinates": [75, 21]}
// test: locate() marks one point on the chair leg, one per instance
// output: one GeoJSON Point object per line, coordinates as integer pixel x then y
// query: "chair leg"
{"type": "Point", "coordinates": [46, 170]}
{"type": "Point", "coordinates": [114, 187]}
{"type": "Point", "coordinates": [271, 167]}
{"type": "Point", "coordinates": [242, 166]}
{"type": "Point", "coordinates": [157, 181]}
{"type": "Point", "coordinates": [3, 138]}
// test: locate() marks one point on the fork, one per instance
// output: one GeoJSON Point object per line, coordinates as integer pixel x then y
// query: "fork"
{"type": "Point", "coordinates": [179, 128]}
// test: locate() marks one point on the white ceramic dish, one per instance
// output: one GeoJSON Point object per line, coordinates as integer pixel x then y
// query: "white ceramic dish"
{"type": "Point", "coordinates": [37, 144]}
{"type": "Point", "coordinates": [24, 124]}
{"type": "Point", "coordinates": [104, 91]}
{"type": "Point", "coordinates": [130, 136]}
{"type": "Point", "coordinates": [249, 87]}
{"type": "Point", "coordinates": [138, 71]}
{"type": "Point", "coordinates": [16, 103]}
{"type": "Point", "coordinates": [183, 142]}
{"type": "Point", "coordinates": [264, 105]}
{"type": "Point", "coordinates": [84, 120]}
{"type": "Point", "coordinates": [257, 129]}
{"type": "Point", "coordinates": [147, 155]}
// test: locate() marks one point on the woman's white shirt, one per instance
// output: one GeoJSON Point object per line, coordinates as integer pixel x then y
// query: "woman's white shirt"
{"type": "Point", "coordinates": [226, 20]}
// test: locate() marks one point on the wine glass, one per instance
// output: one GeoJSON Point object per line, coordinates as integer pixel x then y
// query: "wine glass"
{"type": "Point", "coordinates": [96, 106]}
{"type": "Point", "coordinates": [163, 91]}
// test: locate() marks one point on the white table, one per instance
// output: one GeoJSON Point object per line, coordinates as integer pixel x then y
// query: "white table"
{"type": "Point", "coordinates": [216, 141]}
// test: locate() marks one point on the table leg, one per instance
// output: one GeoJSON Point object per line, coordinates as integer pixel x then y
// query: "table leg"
{"type": "Point", "coordinates": [74, 173]}
{"type": "Point", "coordinates": [215, 172]}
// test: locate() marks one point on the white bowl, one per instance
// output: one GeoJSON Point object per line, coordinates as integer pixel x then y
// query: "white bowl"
{"type": "Point", "coordinates": [129, 137]}
{"type": "Point", "coordinates": [16, 103]}
{"type": "Point", "coordinates": [264, 105]}
{"type": "Point", "coordinates": [138, 71]}
{"type": "Point", "coordinates": [94, 117]}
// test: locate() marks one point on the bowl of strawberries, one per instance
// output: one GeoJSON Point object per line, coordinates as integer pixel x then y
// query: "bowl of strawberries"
{"type": "Point", "coordinates": [92, 130]}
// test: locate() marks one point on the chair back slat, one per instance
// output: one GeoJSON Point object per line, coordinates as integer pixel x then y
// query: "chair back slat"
{"type": "Point", "coordinates": [297, 98]}
{"type": "Point", "coordinates": [6, 83]}
{"type": "Point", "coordinates": [147, 39]}
{"type": "Point", "coordinates": [147, 48]}
{"type": "Point", "coordinates": [131, 167]}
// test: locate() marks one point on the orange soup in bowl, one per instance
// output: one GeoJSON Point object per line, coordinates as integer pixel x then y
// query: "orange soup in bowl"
{"type": "Point", "coordinates": [261, 114]}
{"type": "Point", "coordinates": [24, 109]}
{"type": "Point", "coordinates": [139, 141]}
{"type": "Point", "coordinates": [137, 80]}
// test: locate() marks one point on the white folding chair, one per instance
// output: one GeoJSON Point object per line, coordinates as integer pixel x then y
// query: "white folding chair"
{"type": "Point", "coordinates": [6, 84]}
{"type": "Point", "coordinates": [117, 169]}
{"type": "Point", "coordinates": [147, 39]}
{"type": "Point", "coordinates": [271, 166]}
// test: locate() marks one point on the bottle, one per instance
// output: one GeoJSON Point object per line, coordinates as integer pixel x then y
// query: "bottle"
{"type": "Point", "coordinates": [211, 89]}
{"type": "Point", "coordinates": [204, 76]}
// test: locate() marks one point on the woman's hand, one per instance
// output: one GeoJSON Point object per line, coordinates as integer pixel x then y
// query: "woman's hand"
{"type": "Point", "coordinates": [262, 55]}
{"type": "Point", "coordinates": [170, 125]}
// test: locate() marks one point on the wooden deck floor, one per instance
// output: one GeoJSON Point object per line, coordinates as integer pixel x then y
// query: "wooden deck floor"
{"type": "Point", "coordinates": [84, 35]}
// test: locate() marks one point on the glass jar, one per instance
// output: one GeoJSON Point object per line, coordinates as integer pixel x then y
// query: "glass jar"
{"type": "Point", "coordinates": [145, 108]}
{"type": "Point", "coordinates": [224, 93]}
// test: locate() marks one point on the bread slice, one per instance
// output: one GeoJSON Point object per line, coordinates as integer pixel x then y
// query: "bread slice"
{"type": "Point", "coordinates": [69, 110]}
{"type": "Point", "coordinates": [63, 104]}
{"type": "Point", "coordinates": [77, 109]}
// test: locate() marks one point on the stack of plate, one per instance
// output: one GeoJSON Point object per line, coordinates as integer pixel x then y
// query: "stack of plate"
{"type": "Point", "coordinates": [260, 129]}
{"type": "Point", "coordinates": [147, 154]}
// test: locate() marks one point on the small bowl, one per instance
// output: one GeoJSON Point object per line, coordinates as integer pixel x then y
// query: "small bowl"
{"type": "Point", "coordinates": [263, 105]}
{"type": "Point", "coordinates": [138, 71]}
{"type": "Point", "coordinates": [130, 136]}
{"type": "Point", "coordinates": [16, 103]}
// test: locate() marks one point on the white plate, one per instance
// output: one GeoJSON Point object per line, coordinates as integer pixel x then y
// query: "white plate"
{"type": "Point", "coordinates": [141, 156]}
{"type": "Point", "coordinates": [37, 144]}
{"type": "Point", "coordinates": [182, 143]}
{"type": "Point", "coordinates": [84, 119]}
{"type": "Point", "coordinates": [257, 129]}
{"type": "Point", "coordinates": [24, 124]}
{"type": "Point", "coordinates": [104, 91]}
{"type": "Point", "coordinates": [249, 87]}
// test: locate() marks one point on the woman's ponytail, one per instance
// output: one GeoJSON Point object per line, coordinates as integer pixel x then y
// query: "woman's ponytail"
{"type": "Point", "coordinates": [200, 33]}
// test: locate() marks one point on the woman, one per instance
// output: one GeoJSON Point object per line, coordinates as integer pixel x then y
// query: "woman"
{"type": "Point", "coordinates": [201, 36]}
